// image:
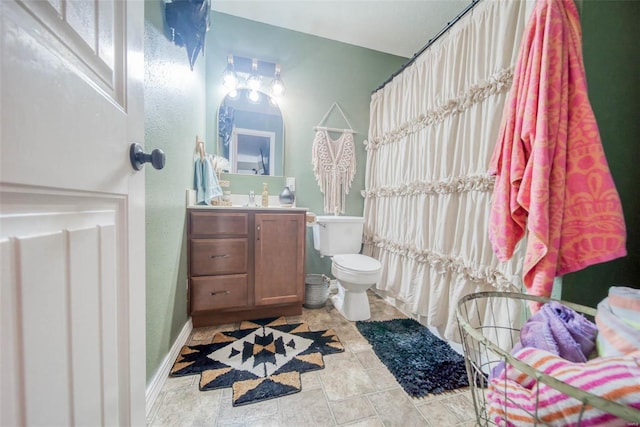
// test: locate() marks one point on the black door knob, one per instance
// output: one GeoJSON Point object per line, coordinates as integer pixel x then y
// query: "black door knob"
{"type": "Point", "coordinates": [139, 158]}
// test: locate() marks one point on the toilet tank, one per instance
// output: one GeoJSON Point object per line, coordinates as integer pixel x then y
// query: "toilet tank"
{"type": "Point", "coordinates": [334, 235]}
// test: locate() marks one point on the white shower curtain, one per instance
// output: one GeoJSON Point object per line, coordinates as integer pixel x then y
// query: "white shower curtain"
{"type": "Point", "coordinates": [427, 191]}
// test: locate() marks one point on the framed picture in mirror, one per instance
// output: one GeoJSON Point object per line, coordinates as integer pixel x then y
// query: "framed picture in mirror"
{"type": "Point", "coordinates": [251, 134]}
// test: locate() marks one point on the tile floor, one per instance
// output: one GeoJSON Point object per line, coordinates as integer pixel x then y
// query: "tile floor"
{"type": "Point", "coordinates": [354, 389]}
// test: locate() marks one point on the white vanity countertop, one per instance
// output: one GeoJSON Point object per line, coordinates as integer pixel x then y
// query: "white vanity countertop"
{"type": "Point", "coordinates": [253, 208]}
{"type": "Point", "coordinates": [239, 201]}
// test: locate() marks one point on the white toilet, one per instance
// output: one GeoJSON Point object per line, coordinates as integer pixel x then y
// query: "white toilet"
{"type": "Point", "coordinates": [340, 237]}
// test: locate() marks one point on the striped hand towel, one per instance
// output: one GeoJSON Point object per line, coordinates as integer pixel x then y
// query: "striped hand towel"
{"type": "Point", "coordinates": [515, 399]}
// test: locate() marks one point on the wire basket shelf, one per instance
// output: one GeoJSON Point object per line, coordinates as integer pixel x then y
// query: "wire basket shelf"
{"type": "Point", "coordinates": [487, 340]}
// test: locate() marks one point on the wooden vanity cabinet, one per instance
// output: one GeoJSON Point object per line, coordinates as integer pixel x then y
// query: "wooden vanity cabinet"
{"type": "Point", "coordinates": [245, 264]}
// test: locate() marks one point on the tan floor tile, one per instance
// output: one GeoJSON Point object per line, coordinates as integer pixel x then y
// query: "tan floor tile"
{"type": "Point", "coordinates": [395, 409]}
{"type": "Point", "coordinates": [187, 381]}
{"type": "Point", "coordinates": [317, 319]}
{"type": "Point", "coordinates": [232, 423]}
{"type": "Point", "coordinates": [369, 422]}
{"type": "Point", "coordinates": [382, 378]}
{"type": "Point", "coordinates": [198, 335]}
{"type": "Point", "coordinates": [202, 334]}
{"type": "Point", "coordinates": [360, 346]}
{"type": "Point", "coordinates": [187, 407]}
{"type": "Point", "coordinates": [349, 410]}
{"type": "Point", "coordinates": [368, 359]}
{"type": "Point", "coordinates": [310, 380]}
{"type": "Point", "coordinates": [438, 415]}
{"type": "Point", "coordinates": [461, 407]}
{"type": "Point", "coordinates": [295, 319]}
{"type": "Point", "coordinates": [245, 413]}
{"type": "Point", "coordinates": [357, 345]}
{"type": "Point", "coordinates": [307, 408]}
{"type": "Point", "coordinates": [269, 422]}
{"type": "Point", "coordinates": [331, 360]}
{"type": "Point", "coordinates": [387, 316]}
{"type": "Point", "coordinates": [345, 378]}
{"type": "Point", "coordinates": [348, 333]}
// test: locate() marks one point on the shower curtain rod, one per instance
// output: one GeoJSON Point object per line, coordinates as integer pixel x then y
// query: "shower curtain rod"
{"type": "Point", "coordinates": [429, 43]}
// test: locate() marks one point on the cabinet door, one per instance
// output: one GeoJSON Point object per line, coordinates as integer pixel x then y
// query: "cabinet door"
{"type": "Point", "coordinates": [279, 258]}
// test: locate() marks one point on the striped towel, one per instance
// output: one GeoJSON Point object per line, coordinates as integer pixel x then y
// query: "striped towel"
{"type": "Point", "coordinates": [618, 321]}
{"type": "Point", "coordinates": [514, 396]}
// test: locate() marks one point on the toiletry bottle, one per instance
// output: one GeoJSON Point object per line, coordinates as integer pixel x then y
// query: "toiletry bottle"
{"type": "Point", "coordinates": [265, 195]}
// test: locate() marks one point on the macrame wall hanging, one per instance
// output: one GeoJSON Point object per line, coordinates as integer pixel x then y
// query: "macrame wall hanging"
{"type": "Point", "coordinates": [334, 163]}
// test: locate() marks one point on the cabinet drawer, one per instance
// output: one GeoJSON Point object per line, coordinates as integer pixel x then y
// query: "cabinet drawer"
{"type": "Point", "coordinates": [214, 223]}
{"type": "Point", "coordinates": [217, 292]}
{"type": "Point", "coordinates": [218, 256]}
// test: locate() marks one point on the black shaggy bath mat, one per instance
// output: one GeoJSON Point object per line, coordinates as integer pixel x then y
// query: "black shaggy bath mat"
{"type": "Point", "coordinates": [421, 362]}
{"type": "Point", "coordinates": [260, 361]}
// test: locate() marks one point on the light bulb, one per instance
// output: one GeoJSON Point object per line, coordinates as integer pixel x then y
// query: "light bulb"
{"type": "Point", "coordinates": [254, 96]}
{"type": "Point", "coordinates": [277, 87]}
{"type": "Point", "coordinates": [253, 82]}
{"type": "Point", "coordinates": [230, 80]}
{"type": "Point", "coordinates": [229, 76]}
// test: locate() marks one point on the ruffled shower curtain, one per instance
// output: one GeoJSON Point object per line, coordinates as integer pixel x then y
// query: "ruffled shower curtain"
{"type": "Point", "coordinates": [427, 192]}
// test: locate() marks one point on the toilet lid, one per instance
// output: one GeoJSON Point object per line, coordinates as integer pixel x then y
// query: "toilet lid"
{"type": "Point", "coordinates": [357, 262]}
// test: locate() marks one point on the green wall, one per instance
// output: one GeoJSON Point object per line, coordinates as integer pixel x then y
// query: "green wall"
{"type": "Point", "coordinates": [316, 72]}
{"type": "Point", "coordinates": [180, 104]}
{"type": "Point", "coordinates": [174, 114]}
{"type": "Point", "coordinates": [611, 48]}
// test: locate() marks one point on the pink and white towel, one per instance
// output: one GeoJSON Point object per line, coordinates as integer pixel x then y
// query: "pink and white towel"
{"type": "Point", "coordinates": [618, 321]}
{"type": "Point", "coordinates": [514, 396]}
{"type": "Point", "coordinates": [552, 178]}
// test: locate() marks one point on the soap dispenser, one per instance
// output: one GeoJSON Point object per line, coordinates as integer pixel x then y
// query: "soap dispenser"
{"type": "Point", "coordinates": [265, 195]}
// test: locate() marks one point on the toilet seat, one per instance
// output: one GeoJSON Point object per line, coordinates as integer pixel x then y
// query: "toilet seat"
{"type": "Point", "coordinates": [356, 268]}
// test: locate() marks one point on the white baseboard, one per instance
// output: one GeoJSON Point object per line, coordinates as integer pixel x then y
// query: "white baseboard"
{"type": "Point", "coordinates": [158, 380]}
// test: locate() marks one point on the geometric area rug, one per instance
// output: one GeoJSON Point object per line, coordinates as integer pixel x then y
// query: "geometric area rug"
{"type": "Point", "coordinates": [421, 362]}
{"type": "Point", "coordinates": [262, 360]}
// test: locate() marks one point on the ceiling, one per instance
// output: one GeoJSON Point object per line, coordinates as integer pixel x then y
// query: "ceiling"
{"type": "Point", "coordinates": [399, 27]}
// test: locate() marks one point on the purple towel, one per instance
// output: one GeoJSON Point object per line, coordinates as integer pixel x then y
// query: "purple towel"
{"type": "Point", "coordinates": [559, 330]}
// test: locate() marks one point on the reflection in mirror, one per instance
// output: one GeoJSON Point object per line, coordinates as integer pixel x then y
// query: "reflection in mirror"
{"type": "Point", "coordinates": [251, 134]}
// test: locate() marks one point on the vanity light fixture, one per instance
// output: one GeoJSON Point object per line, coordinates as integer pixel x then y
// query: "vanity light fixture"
{"type": "Point", "coordinates": [255, 80]}
{"type": "Point", "coordinates": [242, 72]}
{"type": "Point", "coordinates": [277, 86]}
{"type": "Point", "coordinates": [229, 76]}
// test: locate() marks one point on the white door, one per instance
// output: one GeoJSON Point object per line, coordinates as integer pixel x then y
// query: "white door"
{"type": "Point", "coordinates": [71, 213]}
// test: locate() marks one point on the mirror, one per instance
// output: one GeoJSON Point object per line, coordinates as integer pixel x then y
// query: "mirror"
{"type": "Point", "coordinates": [251, 134]}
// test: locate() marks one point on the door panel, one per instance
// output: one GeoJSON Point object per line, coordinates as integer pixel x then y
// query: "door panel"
{"type": "Point", "coordinates": [87, 34]}
{"type": "Point", "coordinates": [71, 213]}
{"type": "Point", "coordinates": [60, 292]}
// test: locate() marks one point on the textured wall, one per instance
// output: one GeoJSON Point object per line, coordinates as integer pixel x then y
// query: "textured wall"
{"type": "Point", "coordinates": [316, 72]}
{"type": "Point", "coordinates": [174, 114]}
{"type": "Point", "coordinates": [611, 42]}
